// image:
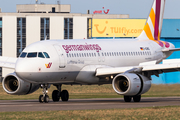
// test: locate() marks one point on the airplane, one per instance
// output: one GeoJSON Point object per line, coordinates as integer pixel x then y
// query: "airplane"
{"type": "Point", "coordinates": [127, 64]}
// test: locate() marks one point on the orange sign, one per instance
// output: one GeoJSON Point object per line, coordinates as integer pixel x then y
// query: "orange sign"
{"type": "Point", "coordinates": [117, 27]}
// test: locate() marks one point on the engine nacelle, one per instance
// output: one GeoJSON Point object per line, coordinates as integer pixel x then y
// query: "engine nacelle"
{"type": "Point", "coordinates": [131, 84]}
{"type": "Point", "coordinates": [15, 86]}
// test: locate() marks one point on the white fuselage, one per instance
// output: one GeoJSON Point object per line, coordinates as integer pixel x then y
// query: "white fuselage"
{"type": "Point", "coordinates": [69, 57]}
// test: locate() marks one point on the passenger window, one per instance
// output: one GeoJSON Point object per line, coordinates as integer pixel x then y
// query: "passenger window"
{"type": "Point", "coordinates": [119, 53]}
{"type": "Point", "coordinates": [46, 55]}
{"type": "Point", "coordinates": [89, 54]}
{"type": "Point", "coordinates": [98, 54]}
{"type": "Point", "coordinates": [95, 54]}
{"type": "Point", "coordinates": [84, 54]}
{"type": "Point", "coordinates": [40, 55]}
{"type": "Point", "coordinates": [30, 55]}
{"type": "Point", "coordinates": [102, 54]}
{"type": "Point", "coordinates": [77, 55]}
{"type": "Point", "coordinates": [74, 55]}
{"type": "Point", "coordinates": [107, 54]}
{"type": "Point", "coordinates": [23, 55]}
{"type": "Point", "coordinates": [69, 55]}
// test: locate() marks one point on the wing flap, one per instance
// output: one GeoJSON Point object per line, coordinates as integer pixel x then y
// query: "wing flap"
{"type": "Point", "coordinates": [8, 62]}
{"type": "Point", "coordinates": [170, 65]}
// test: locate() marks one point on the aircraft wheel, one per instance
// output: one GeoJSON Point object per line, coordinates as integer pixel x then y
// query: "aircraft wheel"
{"type": "Point", "coordinates": [41, 99]}
{"type": "Point", "coordinates": [46, 99]}
{"type": "Point", "coordinates": [137, 98]}
{"type": "Point", "coordinates": [64, 95]}
{"type": "Point", "coordinates": [55, 96]}
{"type": "Point", "coordinates": [127, 98]}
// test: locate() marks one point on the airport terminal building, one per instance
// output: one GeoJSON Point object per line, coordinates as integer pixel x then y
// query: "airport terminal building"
{"type": "Point", "coordinates": [35, 22]}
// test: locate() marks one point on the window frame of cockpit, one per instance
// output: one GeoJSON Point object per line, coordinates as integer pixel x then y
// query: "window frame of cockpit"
{"type": "Point", "coordinates": [32, 53]}
{"type": "Point", "coordinates": [22, 54]}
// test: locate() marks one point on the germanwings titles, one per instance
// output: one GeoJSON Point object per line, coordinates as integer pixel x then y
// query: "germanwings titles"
{"type": "Point", "coordinates": [127, 64]}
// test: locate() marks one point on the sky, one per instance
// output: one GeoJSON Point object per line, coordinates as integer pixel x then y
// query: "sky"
{"type": "Point", "coordinates": [135, 8]}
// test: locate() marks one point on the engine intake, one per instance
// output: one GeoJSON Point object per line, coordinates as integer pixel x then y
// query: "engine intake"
{"type": "Point", "coordinates": [15, 86]}
{"type": "Point", "coordinates": [131, 84]}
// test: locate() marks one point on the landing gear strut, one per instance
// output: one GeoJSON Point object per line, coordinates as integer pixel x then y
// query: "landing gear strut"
{"type": "Point", "coordinates": [136, 98]}
{"type": "Point", "coordinates": [56, 94]}
{"type": "Point", "coordinates": [44, 97]}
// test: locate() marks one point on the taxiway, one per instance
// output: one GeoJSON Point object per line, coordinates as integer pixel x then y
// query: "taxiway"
{"type": "Point", "coordinates": [85, 104]}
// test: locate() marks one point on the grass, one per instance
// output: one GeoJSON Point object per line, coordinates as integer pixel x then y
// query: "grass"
{"type": "Point", "coordinates": [95, 91]}
{"type": "Point", "coordinates": [154, 113]}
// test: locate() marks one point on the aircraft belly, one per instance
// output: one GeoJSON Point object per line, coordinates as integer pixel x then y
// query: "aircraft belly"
{"type": "Point", "coordinates": [49, 77]}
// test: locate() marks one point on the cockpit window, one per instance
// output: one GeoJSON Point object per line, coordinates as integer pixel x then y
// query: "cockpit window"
{"type": "Point", "coordinates": [31, 55]}
{"type": "Point", "coordinates": [40, 55]}
{"type": "Point", "coordinates": [46, 55]}
{"type": "Point", "coordinates": [23, 55]}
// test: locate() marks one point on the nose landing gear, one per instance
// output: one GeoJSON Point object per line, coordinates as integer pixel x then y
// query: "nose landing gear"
{"type": "Point", "coordinates": [56, 94]}
{"type": "Point", "coordinates": [44, 97]}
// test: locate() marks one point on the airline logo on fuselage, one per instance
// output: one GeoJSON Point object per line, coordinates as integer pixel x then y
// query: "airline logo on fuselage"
{"type": "Point", "coordinates": [86, 47]}
{"type": "Point", "coordinates": [48, 65]}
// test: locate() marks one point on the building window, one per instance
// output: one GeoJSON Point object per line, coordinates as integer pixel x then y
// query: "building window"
{"type": "Point", "coordinates": [21, 35]}
{"type": "Point", "coordinates": [45, 25]}
{"type": "Point", "coordinates": [89, 28]}
{"type": "Point", "coordinates": [68, 28]}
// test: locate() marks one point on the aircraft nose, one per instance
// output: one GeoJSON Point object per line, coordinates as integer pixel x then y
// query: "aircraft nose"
{"type": "Point", "coordinates": [21, 68]}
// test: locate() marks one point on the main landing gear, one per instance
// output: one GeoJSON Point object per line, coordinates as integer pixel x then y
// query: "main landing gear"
{"type": "Point", "coordinates": [44, 97]}
{"type": "Point", "coordinates": [136, 98]}
{"type": "Point", "coordinates": [56, 94]}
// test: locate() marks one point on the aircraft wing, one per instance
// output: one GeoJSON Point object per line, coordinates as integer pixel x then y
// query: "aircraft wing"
{"type": "Point", "coordinates": [8, 62]}
{"type": "Point", "coordinates": [169, 65]}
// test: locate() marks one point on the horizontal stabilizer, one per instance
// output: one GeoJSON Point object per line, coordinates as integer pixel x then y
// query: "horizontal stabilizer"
{"type": "Point", "coordinates": [171, 50]}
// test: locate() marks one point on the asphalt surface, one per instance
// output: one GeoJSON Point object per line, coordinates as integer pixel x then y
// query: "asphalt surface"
{"type": "Point", "coordinates": [85, 104]}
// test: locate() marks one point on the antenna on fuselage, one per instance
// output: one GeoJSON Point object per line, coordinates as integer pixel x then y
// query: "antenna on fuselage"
{"type": "Point", "coordinates": [114, 36]}
{"type": "Point", "coordinates": [45, 38]}
{"type": "Point", "coordinates": [36, 1]}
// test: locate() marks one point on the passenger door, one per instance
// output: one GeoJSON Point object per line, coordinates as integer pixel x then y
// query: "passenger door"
{"type": "Point", "coordinates": [61, 56]}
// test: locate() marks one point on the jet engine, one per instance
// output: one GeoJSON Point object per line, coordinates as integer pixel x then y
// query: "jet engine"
{"type": "Point", "coordinates": [15, 86]}
{"type": "Point", "coordinates": [130, 84]}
